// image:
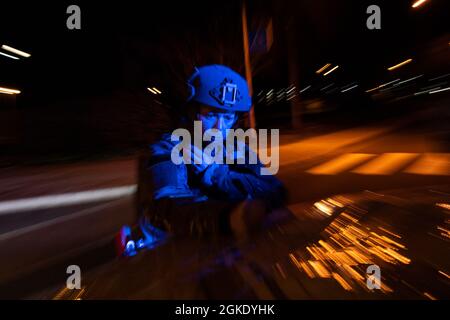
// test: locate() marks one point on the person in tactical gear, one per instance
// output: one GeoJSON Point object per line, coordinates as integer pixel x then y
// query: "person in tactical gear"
{"type": "Point", "coordinates": [200, 198]}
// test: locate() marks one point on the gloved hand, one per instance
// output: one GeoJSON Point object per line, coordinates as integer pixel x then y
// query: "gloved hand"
{"type": "Point", "coordinates": [199, 159]}
{"type": "Point", "coordinates": [209, 173]}
{"type": "Point", "coordinates": [205, 167]}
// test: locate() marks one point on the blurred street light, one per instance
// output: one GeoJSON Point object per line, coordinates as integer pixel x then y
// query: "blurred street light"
{"type": "Point", "coordinates": [304, 89]}
{"type": "Point", "coordinates": [440, 90]}
{"type": "Point", "coordinates": [418, 3]}
{"type": "Point", "coordinates": [440, 77]}
{"type": "Point", "coordinates": [155, 89]}
{"type": "Point", "coordinates": [323, 68]}
{"type": "Point", "coordinates": [328, 72]}
{"type": "Point", "coordinates": [290, 90]}
{"type": "Point", "coordinates": [388, 83]}
{"type": "Point", "coordinates": [327, 86]}
{"type": "Point", "coordinates": [9, 56]}
{"type": "Point", "coordinates": [373, 89]}
{"type": "Point", "coordinates": [9, 91]}
{"type": "Point", "coordinates": [16, 51]}
{"type": "Point", "coordinates": [383, 85]}
{"type": "Point", "coordinates": [407, 80]}
{"type": "Point", "coordinates": [399, 65]}
{"type": "Point", "coordinates": [348, 89]}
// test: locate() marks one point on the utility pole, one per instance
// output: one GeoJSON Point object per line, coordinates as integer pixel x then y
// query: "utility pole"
{"type": "Point", "coordinates": [293, 72]}
{"type": "Point", "coordinates": [248, 66]}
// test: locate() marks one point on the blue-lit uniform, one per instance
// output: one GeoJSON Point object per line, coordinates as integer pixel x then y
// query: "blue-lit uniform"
{"type": "Point", "coordinates": [183, 200]}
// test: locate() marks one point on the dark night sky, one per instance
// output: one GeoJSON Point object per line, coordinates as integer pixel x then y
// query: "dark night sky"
{"type": "Point", "coordinates": [135, 44]}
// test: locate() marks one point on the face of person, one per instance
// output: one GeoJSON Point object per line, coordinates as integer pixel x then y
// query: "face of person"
{"type": "Point", "coordinates": [213, 118]}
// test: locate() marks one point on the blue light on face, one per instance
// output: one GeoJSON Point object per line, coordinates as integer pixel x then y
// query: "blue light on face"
{"type": "Point", "coordinates": [218, 120]}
